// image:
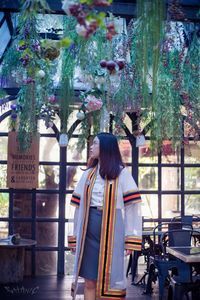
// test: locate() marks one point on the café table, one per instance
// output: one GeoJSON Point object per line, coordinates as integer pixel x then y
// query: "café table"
{"type": "Point", "coordinates": [189, 255]}
{"type": "Point", "coordinates": [12, 260]}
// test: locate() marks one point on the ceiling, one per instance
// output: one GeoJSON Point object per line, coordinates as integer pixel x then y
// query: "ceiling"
{"type": "Point", "coordinates": [125, 8]}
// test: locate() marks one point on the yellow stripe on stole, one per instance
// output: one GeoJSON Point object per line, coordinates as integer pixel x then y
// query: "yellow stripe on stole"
{"type": "Point", "coordinates": [109, 202]}
{"type": "Point", "coordinates": [87, 197]}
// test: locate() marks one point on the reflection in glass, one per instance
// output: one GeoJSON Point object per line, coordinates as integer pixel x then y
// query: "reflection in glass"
{"type": "Point", "coordinates": [74, 154]}
{"type": "Point", "coordinates": [171, 178]}
{"type": "Point", "coordinates": [47, 205]}
{"type": "Point", "coordinates": [48, 177]}
{"type": "Point", "coordinates": [3, 148]}
{"type": "Point", "coordinates": [74, 174]}
{"type": "Point", "coordinates": [22, 205]}
{"type": "Point", "coordinates": [171, 206]}
{"type": "Point", "coordinates": [148, 178]}
{"type": "Point", "coordinates": [46, 262]}
{"type": "Point", "coordinates": [23, 228]}
{"type": "Point", "coordinates": [169, 154]}
{"type": "Point", "coordinates": [145, 154]}
{"type": "Point", "coordinates": [49, 149]}
{"type": "Point", "coordinates": [125, 149]}
{"type": "Point", "coordinates": [150, 206]}
{"type": "Point", "coordinates": [192, 204]}
{"type": "Point", "coordinates": [4, 205]}
{"type": "Point", "coordinates": [192, 152]}
{"type": "Point", "coordinates": [47, 233]}
{"type": "Point", "coordinates": [192, 178]}
{"type": "Point", "coordinates": [3, 230]}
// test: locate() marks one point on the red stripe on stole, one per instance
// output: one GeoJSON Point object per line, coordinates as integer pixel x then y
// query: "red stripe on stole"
{"type": "Point", "coordinates": [131, 197]}
{"type": "Point", "coordinates": [75, 200]}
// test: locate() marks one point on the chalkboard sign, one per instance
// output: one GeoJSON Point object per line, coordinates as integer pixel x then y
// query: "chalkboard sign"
{"type": "Point", "coordinates": [23, 167]}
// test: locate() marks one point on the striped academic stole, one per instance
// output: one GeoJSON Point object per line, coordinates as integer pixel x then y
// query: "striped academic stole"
{"type": "Point", "coordinates": [87, 198]}
{"type": "Point", "coordinates": [103, 290]}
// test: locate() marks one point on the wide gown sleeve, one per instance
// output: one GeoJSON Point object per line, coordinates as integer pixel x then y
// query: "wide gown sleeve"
{"type": "Point", "coordinates": [75, 201]}
{"type": "Point", "coordinates": [133, 217]}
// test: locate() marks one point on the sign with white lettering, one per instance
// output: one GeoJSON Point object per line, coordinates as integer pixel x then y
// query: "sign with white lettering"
{"type": "Point", "coordinates": [23, 167]}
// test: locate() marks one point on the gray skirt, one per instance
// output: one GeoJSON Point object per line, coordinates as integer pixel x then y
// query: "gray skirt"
{"type": "Point", "coordinates": [90, 260]}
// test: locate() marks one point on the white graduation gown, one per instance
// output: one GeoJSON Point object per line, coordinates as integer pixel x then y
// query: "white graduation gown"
{"type": "Point", "coordinates": [121, 229]}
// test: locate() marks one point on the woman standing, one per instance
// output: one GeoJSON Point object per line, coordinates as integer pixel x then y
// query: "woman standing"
{"type": "Point", "coordinates": [107, 221]}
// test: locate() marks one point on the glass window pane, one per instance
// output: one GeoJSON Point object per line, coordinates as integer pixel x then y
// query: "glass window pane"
{"type": "Point", "coordinates": [3, 147]}
{"type": "Point", "coordinates": [192, 153]}
{"type": "Point", "coordinates": [192, 178]}
{"type": "Point", "coordinates": [4, 205]}
{"type": "Point", "coordinates": [171, 206]}
{"type": "Point", "coordinates": [69, 263]}
{"type": "Point", "coordinates": [145, 155]}
{"type": "Point", "coordinates": [46, 262]}
{"type": "Point", "coordinates": [150, 206]}
{"type": "Point", "coordinates": [47, 233]}
{"type": "Point", "coordinates": [49, 149]}
{"type": "Point", "coordinates": [148, 178]}
{"type": "Point", "coordinates": [171, 178]}
{"type": "Point", "coordinates": [4, 125]}
{"type": "Point", "coordinates": [47, 205]}
{"type": "Point", "coordinates": [44, 130]}
{"type": "Point", "coordinates": [74, 174]}
{"type": "Point", "coordinates": [74, 154]}
{"type": "Point", "coordinates": [48, 177]}
{"type": "Point", "coordinates": [5, 37]}
{"type": "Point", "coordinates": [3, 230]}
{"type": "Point", "coordinates": [125, 149]}
{"type": "Point", "coordinates": [22, 205]}
{"type": "Point", "coordinates": [3, 176]}
{"type": "Point", "coordinates": [170, 155]}
{"type": "Point", "coordinates": [149, 226]}
{"type": "Point", "coordinates": [192, 204]}
{"type": "Point", "coordinates": [23, 228]}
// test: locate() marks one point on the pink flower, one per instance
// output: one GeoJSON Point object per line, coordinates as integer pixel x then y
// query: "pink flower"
{"type": "Point", "coordinates": [92, 103]}
{"type": "Point", "coordinates": [52, 99]}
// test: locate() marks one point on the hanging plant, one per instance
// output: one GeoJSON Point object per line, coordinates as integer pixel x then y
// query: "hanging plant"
{"type": "Point", "coordinates": [33, 68]}
{"type": "Point", "coordinates": [88, 19]}
{"type": "Point", "coordinates": [191, 90]}
{"type": "Point", "coordinates": [166, 108]}
{"type": "Point", "coordinates": [68, 58]}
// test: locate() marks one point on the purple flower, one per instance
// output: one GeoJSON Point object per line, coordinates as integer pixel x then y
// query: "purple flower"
{"type": "Point", "coordinates": [14, 116]}
{"type": "Point", "coordinates": [25, 59]}
{"type": "Point", "coordinates": [22, 47]}
{"type": "Point", "coordinates": [13, 106]}
{"type": "Point", "coordinates": [36, 46]}
{"type": "Point", "coordinates": [29, 80]}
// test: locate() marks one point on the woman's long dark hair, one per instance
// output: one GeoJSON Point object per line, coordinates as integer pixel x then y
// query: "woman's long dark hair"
{"type": "Point", "coordinates": [110, 158]}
